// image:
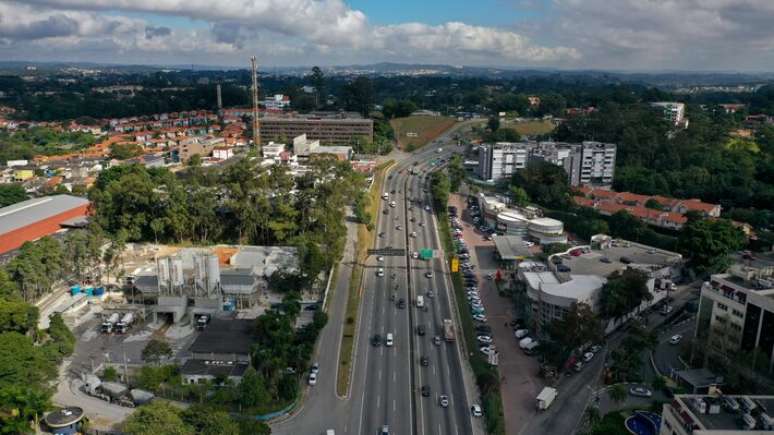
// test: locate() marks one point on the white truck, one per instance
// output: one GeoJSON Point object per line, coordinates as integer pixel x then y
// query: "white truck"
{"type": "Point", "coordinates": [126, 322]}
{"type": "Point", "coordinates": [546, 398]}
{"type": "Point", "coordinates": [109, 323]}
{"type": "Point", "coordinates": [448, 330]}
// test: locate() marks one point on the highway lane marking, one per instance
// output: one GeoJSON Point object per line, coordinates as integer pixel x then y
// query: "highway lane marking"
{"type": "Point", "coordinates": [394, 376]}
{"type": "Point", "coordinates": [378, 401]}
{"type": "Point", "coordinates": [394, 405]}
{"type": "Point", "coordinates": [380, 375]}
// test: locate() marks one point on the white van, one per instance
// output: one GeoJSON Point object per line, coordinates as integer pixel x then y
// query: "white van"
{"type": "Point", "coordinates": [420, 301]}
{"type": "Point", "coordinates": [388, 340]}
{"type": "Point", "coordinates": [330, 432]}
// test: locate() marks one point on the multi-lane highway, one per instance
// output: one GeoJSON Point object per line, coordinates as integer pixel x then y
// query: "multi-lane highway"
{"type": "Point", "coordinates": [387, 380]}
{"type": "Point", "coordinates": [393, 377]}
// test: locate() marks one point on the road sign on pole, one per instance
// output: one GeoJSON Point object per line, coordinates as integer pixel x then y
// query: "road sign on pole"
{"type": "Point", "coordinates": [388, 252]}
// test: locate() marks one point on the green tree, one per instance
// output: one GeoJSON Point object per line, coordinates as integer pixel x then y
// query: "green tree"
{"type": "Point", "coordinates": [206, 420]}
{"type": "Point", "coordinates": [578, 327]}
{"type": "Point", "coordinates": [519, 196]}
{"type": "Point", "coordinates": [253, 427]}
{"type": "Point", "coordinates": [252, 390]}
{"type": "Point", "coordinates": [19, 406]}
{"type": "Point", "coordinates": [359, 95]}
{"type": "Point", "coordinates": [653, 204]}
{"type": "Point", "coordinates": [707, 244]}
{"type": "Point", "coordinates": [156, 419]}
{"type": "Point", "coordinates": [545, 183]}
{"type": "Point", "coordinates": [617, 393]}
{"type": "Point", "coordinates": [17, 315]}
{"type": "Point", "coordinates": [318, 81]}
{"type": "Point", "coordinates": [493, 123]}
{"type": "Point", "coordinates": [456, 172]}
{"type": "Point", "coordinates": [623, 292]}
{"type": "Point", "coordinates": [11, 194]}
{"type": "Point", "coordinates": [155, 350]}
{"type": "Point", "coordinates": [439, 189]}
{"type": "Point", "coordinates": [23, 363]}
{"type": "Point", "coordinates": [61, 338]}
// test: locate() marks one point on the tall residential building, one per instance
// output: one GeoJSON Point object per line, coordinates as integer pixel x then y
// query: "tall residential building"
{"type": "Point", "coordinates": [587, 163]}
{"type": "Point", "coordinates": [736, 309]}
{"type": "Point", "coordinates": [501, 160]}
{"type": "Point", "coordinates": [674, 112]}
{"type": "Point", "coordinates": [717, 414]}
{"type": "Point", "coordinates": [597, 165]}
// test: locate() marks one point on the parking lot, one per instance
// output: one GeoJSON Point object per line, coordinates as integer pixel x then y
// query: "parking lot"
{"type": "Point", "coordinates": [520, 383]}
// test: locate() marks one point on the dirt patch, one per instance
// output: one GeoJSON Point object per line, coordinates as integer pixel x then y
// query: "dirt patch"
{"type": "Point", "coordinates": [417, 131]}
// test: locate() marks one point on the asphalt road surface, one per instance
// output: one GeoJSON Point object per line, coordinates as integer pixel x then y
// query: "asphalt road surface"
{"type": "Point", "coordinates": [387, 381]}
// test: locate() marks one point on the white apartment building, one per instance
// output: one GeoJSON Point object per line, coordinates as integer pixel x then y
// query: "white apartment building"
{"type": "Point", "coordinates": [597, 165]}
{"type": "Point", "coordinates": [674, 112]}
{"type": "Point", "coordinates": [501, 160]}
{"type": "Point", "coordinates": [587, 163]}
{"type": "Point", "coordinates": [736, 309]}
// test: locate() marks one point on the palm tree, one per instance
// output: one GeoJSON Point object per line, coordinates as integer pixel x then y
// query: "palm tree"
{"type": "Point", "coordinates": [617, 393]}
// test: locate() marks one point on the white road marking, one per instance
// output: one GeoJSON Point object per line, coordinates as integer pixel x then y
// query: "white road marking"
{"type": "Point", "coordinates": [394, 405]}
{"type": "Point", "coordinates": [378, 401]}
{"type": "Point", "coordinates": [380, 375]}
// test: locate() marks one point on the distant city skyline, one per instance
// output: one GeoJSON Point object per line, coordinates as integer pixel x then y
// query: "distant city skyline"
{"type": "Point", "coordinates": [728, 35]}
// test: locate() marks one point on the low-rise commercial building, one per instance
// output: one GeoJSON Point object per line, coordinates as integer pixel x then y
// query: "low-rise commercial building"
{"type": "Point", "coordinates": [329, 129]}
{"type": "Point", "coordinates": [577, 276]}
{"type": "Point", "coordinates": [32, 219]}
{"type": "Point", "coordinates": [220, 351]}
{"type": "Point", "coordinates": [717, 414]}
{"type": "Point", "coordinates": [526, 222]}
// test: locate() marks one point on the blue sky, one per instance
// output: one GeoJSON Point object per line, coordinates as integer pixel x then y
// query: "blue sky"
{"type": "Point", "coordinates": [565, 34]}
{"type": "Point", "coordinates": [480, 12]}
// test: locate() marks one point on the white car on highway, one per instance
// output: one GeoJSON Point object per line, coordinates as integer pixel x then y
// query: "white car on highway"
{"type": "Point", "coordinates": [380, 272]}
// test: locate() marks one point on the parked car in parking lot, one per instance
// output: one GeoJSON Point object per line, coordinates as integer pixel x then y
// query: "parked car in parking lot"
{"type": "Point", "coordinates": [479, 318]}
{"type": "Point", "coordinates": [484, 339]}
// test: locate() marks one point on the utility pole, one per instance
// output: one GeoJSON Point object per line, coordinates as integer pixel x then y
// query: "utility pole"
{"type": "Point", "coordinates": [256, 124]}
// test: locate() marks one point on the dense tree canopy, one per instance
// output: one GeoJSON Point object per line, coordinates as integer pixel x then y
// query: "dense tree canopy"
{"type": "Point", "coordinates": [623, 292]}
{"type": "Point", "coordinates": [708, 244]}
{"type": "Point", "coordinates": [11, 194]}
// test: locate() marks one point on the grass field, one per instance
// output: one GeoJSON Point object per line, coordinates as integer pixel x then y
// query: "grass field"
{"type": "Point", "coordinates": [365, 239]}
{"type": "Point", "coordinates": [426, 128]}
{"type": "Point", "coordinates": [530, 128]}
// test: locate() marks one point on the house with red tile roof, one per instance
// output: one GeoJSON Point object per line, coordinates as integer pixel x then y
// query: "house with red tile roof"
{"type": "Point", "coordinates": [671, 215]}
